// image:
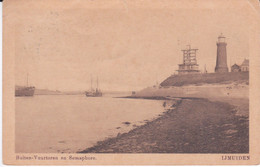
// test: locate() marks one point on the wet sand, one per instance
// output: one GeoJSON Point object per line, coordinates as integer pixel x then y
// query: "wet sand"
{"type": "Point", "coordinates": [189, 126]}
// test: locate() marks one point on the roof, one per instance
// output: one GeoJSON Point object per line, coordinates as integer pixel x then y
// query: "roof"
{"type": "Point", "coordinates": [235, 65]}
{"type": "Point", "coordinates": [245, 62]}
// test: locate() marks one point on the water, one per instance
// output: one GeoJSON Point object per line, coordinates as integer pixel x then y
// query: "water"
{"type": "Point", "coordinates": [71, 123]}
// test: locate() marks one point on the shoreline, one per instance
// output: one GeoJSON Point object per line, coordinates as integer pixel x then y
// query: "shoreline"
{"type": "Point", "coordinates": [159, 97]}
{"type": "Point", "coordinates": [191, 125]}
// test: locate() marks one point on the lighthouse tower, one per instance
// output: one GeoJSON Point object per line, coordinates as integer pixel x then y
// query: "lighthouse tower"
{"type": "Point", "coordinates": [221, 65]}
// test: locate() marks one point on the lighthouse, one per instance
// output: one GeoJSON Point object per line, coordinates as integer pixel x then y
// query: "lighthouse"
{"type": "Point", "coordinates": [221, 64]}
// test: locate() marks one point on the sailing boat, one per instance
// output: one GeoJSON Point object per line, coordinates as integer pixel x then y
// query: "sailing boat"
{"type": "Point", "coordinates": [93, 92]}
{"type": "Point", "coordinates": [24, 90]}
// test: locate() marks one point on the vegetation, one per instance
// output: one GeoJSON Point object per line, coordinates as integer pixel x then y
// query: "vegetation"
{"type": "Point", "coordinates": [209, 78]}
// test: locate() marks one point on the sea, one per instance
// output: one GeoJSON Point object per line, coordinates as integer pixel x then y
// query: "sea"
{"type": "Point", "coordinates": [72, 123]}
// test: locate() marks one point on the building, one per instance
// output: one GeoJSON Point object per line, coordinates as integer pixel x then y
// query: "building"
{"type": "Point", "coordinates": [245, 65]}
{"type": "Point", "coordinates": [189, 65]}
{"type": "Point", "coordinates": [235, 68]}
{"type": "Point", "coordinates": [221, 63]}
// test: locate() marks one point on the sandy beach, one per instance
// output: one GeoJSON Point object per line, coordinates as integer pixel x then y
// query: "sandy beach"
{"type": "Point", "coordinates": [190, 125]}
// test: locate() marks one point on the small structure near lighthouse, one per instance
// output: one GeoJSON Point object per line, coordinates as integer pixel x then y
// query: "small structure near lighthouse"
{"type": "Point", "coordinates": [244, 67]}
{"type": "Point", "coordinates": [189, 65]}
{"type": "Point", "coordinates": [221, 64]}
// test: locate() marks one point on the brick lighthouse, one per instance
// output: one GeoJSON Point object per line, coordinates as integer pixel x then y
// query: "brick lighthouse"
{"type": "Point", "coordinates": [221, 65]}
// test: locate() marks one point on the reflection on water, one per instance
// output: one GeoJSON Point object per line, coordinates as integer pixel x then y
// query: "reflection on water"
{"type": "Point", "coordinates": [71, 123]}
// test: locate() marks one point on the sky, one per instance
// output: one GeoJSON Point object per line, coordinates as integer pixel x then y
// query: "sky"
{"type": "Point", "coordinates": [128, 45]}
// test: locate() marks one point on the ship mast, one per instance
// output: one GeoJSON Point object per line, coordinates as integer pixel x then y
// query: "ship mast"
{"type": "Point", "coordinates": [91, 83]}
{"type": "Point", "coordinates": [97, 83]}
{"type": "Point", "coordinates": [27, 80]}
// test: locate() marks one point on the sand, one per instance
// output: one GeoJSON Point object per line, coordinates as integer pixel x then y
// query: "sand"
{"type": "Point", "coordinates": [189, 126]}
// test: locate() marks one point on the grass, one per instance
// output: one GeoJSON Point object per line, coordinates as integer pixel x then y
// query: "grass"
{"type": "Point", "coordinates": [209, 78]}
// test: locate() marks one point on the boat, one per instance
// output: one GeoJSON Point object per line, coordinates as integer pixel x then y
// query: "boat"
{"type": "Point", "coordinates": [94, 92]}
{"type": "Point", "coordinates": [24, 90]}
